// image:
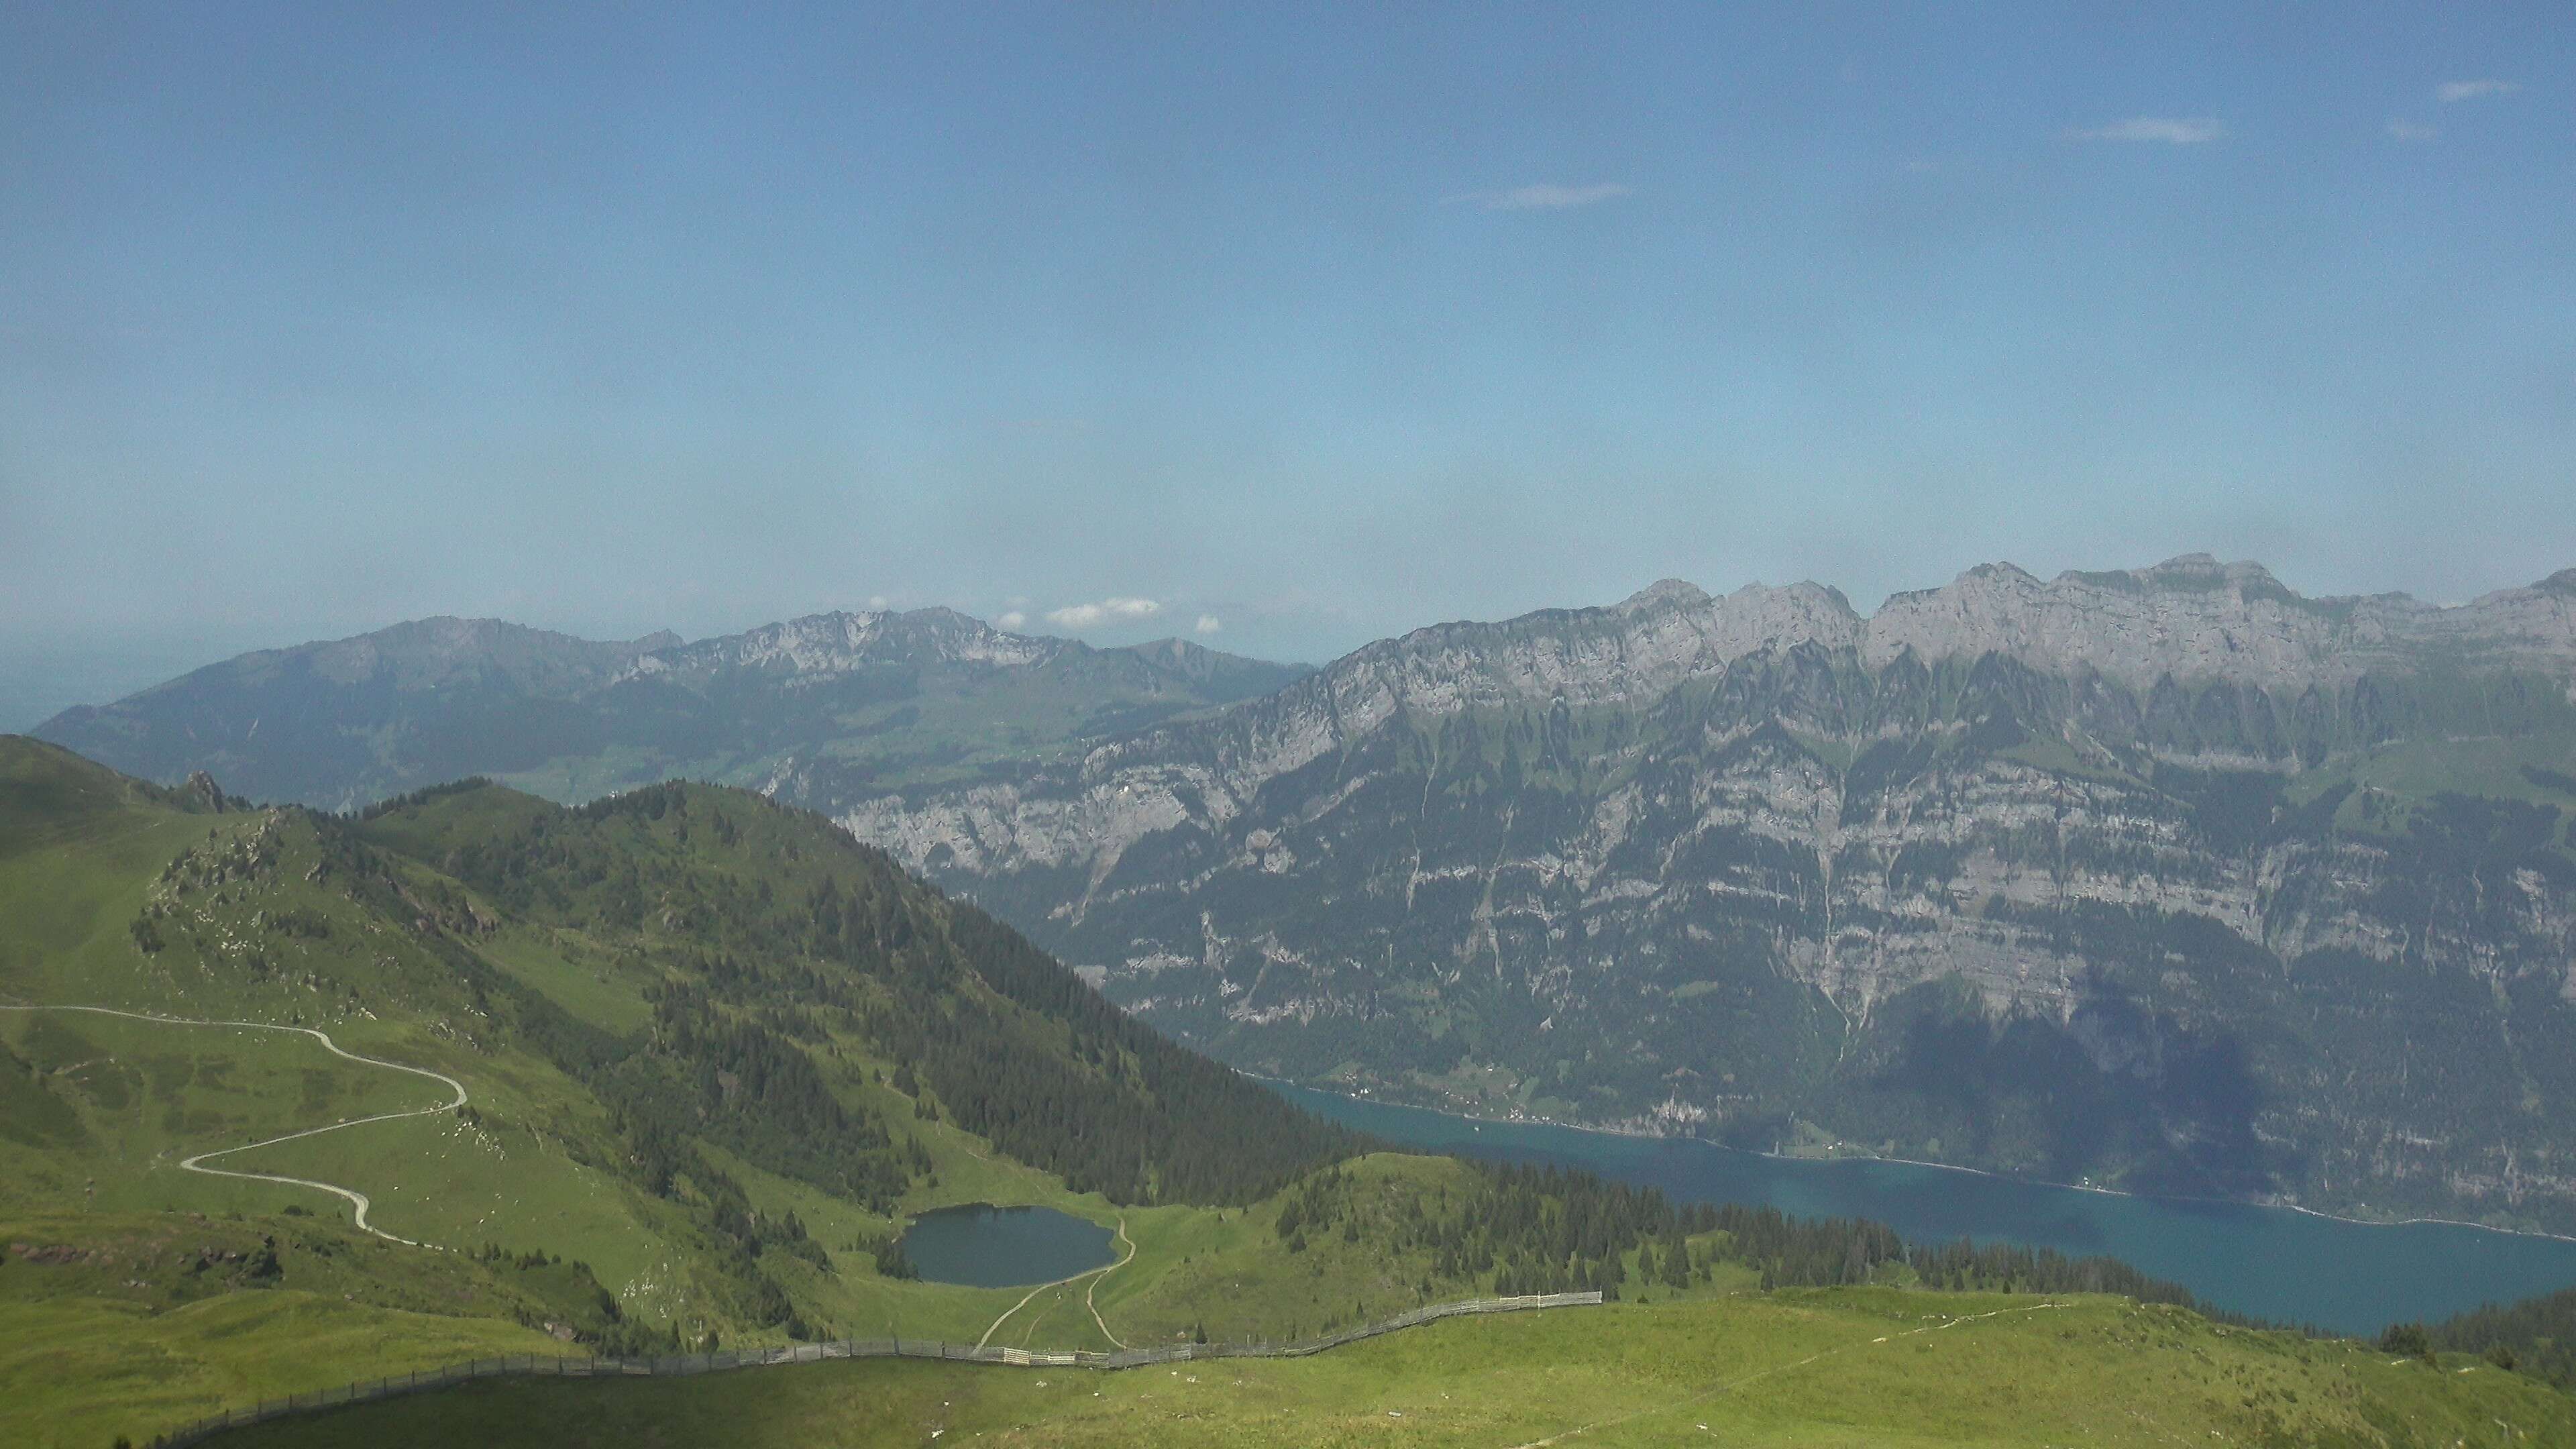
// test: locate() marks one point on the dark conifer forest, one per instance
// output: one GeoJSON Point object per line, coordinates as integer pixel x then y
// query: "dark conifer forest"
{"type": "Point", "coordinates": [778, 940]}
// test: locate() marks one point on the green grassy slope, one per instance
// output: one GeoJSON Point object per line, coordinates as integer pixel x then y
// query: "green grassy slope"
{"type": "Point", "coordinates": [715, 1054]}
{"type": "Point", "coordinates": [79, 846]}
{"type": "Point", "coordinates": [1835, 1367]}
{"type": "Point", "coordinates": [80, 1372]}
{"type": "Point", "coordinates": [129, 1322]}
{"type": "Point", "coordinates": [2536, 1336]}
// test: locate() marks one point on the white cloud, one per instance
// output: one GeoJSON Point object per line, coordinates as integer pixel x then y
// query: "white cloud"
{"type": "Point", "coordinates": [1011, 620]}
{"type": "Point", "coordinates": [1544, 196]}
{"type": "Point", "coordinates": [1107, 611]}
{"type": "Point", "coordinates": [2171, 130]}
{"type": "Point", "coordinates": [2412, 131]}
{"type": "Point", "coordinates": [2449, 92]}
{"type": "Point", "coordinates": [876, 601]}
{"type": "Point", "coordinates": [1209, 624]}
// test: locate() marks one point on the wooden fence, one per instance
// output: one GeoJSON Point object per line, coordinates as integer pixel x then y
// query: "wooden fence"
{"type": "Point", "coordinates": [686, 1364]}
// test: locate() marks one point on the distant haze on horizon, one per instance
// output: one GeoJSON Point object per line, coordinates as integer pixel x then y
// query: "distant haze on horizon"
{"type": "Point", "coordinates": [1276, 330]}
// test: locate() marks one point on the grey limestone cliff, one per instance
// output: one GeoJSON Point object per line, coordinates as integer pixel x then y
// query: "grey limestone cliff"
{"type": "Point", "coordinates": [2168, 877]}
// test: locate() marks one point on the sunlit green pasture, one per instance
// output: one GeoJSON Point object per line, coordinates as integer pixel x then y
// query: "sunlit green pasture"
{"type": "Point", "coordinates": [1833, 1367]}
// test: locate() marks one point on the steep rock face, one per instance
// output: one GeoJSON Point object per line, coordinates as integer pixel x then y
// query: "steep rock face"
{"type": "Point", "coordinates": [828, 645]}
{"type": "Point", "coordinates": [2167, 877]}
{"type": "Point", "coordinates": [2194, 619]}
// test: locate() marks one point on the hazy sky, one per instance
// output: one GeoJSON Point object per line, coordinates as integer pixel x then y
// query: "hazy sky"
{"type": "Point", "coordinates": [1303, 329]}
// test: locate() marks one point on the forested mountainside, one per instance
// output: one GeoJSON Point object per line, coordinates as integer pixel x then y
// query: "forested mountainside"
{"type": "Point", "coordinates": [776, 932]}
{"type": "Point", "coordinates": [677, 1012]}
{"type": "Point", "coordinates": [671, 1071]}
{"type": "Point", "coordinates": [2166, 878]}
{"type": "Point", "coordinates": [2536, 1336]}
{"type": "Point", "coordinates": [851, 704]}
{"type": "Point", "coordinates": [2170, 878]}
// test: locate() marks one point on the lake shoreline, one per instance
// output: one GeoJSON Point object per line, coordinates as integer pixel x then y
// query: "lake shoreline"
{"type": "Point", "coordinates": [997, 1245]}
{"type": "Point", "coordinates": [1863, 1158]}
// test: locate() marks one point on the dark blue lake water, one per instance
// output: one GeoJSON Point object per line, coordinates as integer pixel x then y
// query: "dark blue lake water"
{"type": "Point", "coordinates": [1003, 1247]}
{"type": "Point", "coordinates": [2273, 1262]}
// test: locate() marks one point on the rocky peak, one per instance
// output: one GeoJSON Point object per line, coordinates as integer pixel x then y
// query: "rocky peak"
{"type": "Point", "coordinates": [2190, 617]}
{"type": "Point", "coordinates": [2203, 573]}
{"type": "Point", "coordinates": [1761, 616]}
{"type": "Point", "coordinates": [1631, 651]}
{"type": "Point", "coordinates": [1665, 594]}
{"type": "Point", "coordinates": [1174, 651]}
{"type": "Point", "coordinates": [1185, 658]}
{"type": "Point", "coordinates": [2193, 618]}
{"type": "Point", "coordinates": [841, 641]}
{"type": "Point", "coordinates": [947, 634]}
{"type": "Point", "coordinates": [202, 794]}
{"type": "Point", "coordinates": [942, 621]}
{"type": "Point", "coordinates": [2184, 567]}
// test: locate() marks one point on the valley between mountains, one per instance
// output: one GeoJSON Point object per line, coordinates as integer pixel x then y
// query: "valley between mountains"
{"type": "Point", "coordinates": [2169, 880]}
{"type": "Point", "coordinates": [670, 1072]}
{"type": "Point", "coordinates": [2165, 879]}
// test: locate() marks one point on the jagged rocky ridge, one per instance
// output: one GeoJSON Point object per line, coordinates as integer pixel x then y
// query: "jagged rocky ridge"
{"type": "Point", "coordinates": [2169, 878]}
{"type": "Point", "coordinates": [847, 700]}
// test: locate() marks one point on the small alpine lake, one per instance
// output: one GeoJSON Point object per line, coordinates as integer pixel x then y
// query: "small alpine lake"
{"type": "Point", "coordinates": [983, 1246]}
{"type": "Point", "coordinates": [2275, 1263]}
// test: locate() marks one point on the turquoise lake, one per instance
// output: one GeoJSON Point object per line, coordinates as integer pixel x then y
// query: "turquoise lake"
{"type": "Point", "coordinates": [985, 1246]}
{"type": "Point", "coordinates": [2275, 1263]}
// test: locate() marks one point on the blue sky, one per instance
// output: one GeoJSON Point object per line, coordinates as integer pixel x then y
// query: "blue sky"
{"type": "Point", "coordinates": [1310, 326]}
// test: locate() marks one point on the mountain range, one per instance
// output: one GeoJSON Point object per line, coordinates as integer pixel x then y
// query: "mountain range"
{"type": "Point", "coordinates": [848, 698]}
{"type": "Point", "coordinates": [290, 1099]}
{"type": "Point", "coordinates": [2168, 878]}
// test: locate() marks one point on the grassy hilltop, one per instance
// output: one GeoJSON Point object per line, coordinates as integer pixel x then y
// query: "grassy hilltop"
{"type": "Point", "coordinates": [716, 1054]}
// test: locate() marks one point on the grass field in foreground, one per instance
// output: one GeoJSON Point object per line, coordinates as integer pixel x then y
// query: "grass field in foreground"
{"type": "Point", "coordinates": [80, 1371]}
{"type": "Point", "coordinates": [1877, 1367]}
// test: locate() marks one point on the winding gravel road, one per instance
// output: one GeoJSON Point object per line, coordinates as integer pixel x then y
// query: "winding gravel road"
{"type": "Point", "coordinates": [357, 1199]}
{"type": "Point", "coordinates": [1095, 1274]}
